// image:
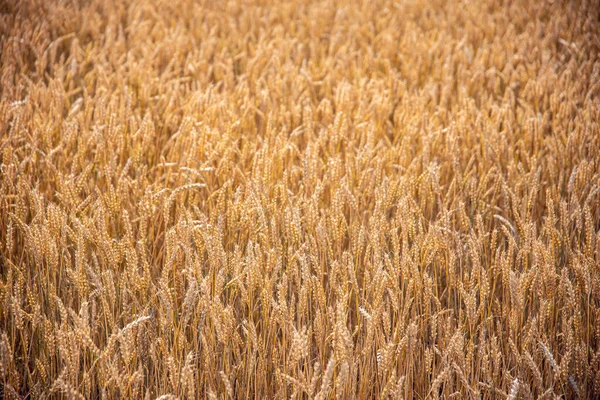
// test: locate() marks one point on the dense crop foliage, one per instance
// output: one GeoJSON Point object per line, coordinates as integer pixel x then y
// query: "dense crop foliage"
{"type": "Point", "coordinates": [300, 199]}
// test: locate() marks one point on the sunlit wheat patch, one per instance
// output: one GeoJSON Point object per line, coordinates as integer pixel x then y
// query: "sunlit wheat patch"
{"type": "Point", "coordinates": [299, 199]}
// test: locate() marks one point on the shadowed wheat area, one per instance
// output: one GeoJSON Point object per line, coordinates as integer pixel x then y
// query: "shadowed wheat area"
{"type": "Point", "coordinates": [300, 199]}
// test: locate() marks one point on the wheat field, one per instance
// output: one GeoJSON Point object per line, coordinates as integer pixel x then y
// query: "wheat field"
{"type": "Point", "coordinates": [300, 199]}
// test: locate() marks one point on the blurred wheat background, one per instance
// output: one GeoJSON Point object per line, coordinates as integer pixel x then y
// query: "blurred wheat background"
{"type": "Point", "coordinates": [300, 199]}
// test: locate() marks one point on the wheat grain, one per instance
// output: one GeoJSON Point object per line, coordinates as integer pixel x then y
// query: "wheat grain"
{"type": "Point", "coordinates": [259, 199]}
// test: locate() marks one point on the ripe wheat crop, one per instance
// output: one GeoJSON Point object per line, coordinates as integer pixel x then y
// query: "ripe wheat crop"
{"type": "Point", "coordinates": [300, 199]}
